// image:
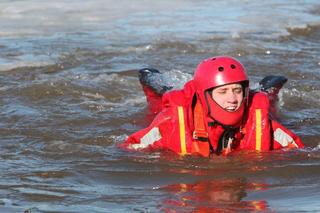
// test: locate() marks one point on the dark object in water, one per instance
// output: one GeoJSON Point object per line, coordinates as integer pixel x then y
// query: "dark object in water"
{"type": "Point", "coordinates": [272, 84]}
{"type": "Point", "coordinates": [152, 78]}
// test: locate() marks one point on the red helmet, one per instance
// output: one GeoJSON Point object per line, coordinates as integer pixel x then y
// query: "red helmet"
{"type": "Point", "coordinates": [218, 71]}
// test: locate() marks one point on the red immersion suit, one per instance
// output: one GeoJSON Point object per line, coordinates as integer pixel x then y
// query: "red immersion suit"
{"type": "Point", "coordinates": [185, 126]}
{"type": "Point", "coordinates": [174, 128]}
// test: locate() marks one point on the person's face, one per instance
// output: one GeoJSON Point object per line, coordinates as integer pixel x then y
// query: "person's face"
{"type": "Point", "coordinates": [229, 97]}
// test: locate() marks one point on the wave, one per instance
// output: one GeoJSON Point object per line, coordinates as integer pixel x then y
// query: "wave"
{"type": "Point", "coordinates": [307, 31]}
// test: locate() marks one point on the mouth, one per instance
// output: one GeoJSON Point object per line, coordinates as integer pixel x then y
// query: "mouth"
{"type": "Point", "coordinates": [231, 108]}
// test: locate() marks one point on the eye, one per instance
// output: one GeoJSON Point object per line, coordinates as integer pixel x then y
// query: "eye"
{"type": "Point", "coordinates": [221, 91]}
{"type": "Point", "coordinates": [238, 90]}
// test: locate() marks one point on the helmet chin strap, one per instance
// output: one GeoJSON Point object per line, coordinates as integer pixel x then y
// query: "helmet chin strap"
{"type": "Point", "coordinates": [215, 122]}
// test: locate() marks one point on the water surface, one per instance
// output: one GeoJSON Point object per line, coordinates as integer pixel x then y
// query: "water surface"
{"type": "Point", "coordinates": [69, 94]}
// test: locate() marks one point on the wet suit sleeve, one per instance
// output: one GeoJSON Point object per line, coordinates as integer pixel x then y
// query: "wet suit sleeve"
{"type": "Point", "coordinates": [152, 137]}
{"type": "Point", "coordinates": [284, 138]}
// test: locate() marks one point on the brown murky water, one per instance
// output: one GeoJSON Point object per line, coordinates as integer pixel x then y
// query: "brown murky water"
{"type": "Point", "coordinates": [69, 94]}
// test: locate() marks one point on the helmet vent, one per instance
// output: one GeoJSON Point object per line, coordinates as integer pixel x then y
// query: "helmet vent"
{"type": "Point", "coordinates": [220, 69]}
{"type": "Point", "coordinates": [233, 66]}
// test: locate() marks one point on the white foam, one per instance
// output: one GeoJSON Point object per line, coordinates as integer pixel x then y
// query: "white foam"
{"type": "Point", "coordinates": [176, 78]}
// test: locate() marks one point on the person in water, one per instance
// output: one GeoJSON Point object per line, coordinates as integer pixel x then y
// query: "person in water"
{"type": "Point", "coordinates": [215, 113]}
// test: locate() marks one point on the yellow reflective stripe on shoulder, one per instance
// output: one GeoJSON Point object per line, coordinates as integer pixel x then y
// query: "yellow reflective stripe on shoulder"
{"type": "Point", "coordinates": [258, 129]}
{"type": "Point", "coordinates": [182, 131]}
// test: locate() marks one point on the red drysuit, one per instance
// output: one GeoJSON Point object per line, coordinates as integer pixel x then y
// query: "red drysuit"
{"type": "Point", "coordinates": [183, 129]}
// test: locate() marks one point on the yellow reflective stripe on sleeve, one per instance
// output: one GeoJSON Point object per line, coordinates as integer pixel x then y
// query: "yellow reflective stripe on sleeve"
{"type": "Point", "coordinates": [258, 129]}
{"type": "Point", "coordinates": [182, 131]}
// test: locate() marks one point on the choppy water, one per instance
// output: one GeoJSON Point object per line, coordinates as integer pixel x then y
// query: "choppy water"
{"type": "Point", "coordinates": [69, 95]}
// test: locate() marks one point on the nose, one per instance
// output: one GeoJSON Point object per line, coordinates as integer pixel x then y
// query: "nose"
{"type": "Point", "coordinates": [232, 97]}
